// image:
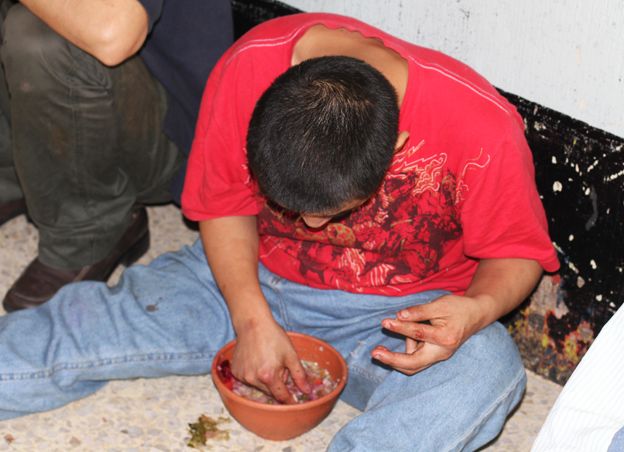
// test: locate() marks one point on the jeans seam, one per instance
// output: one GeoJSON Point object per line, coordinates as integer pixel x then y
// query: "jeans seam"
{"type": "Point", "coordinates": [284, 312]}
{"type": "Point", "coordinates": [368, 375]}
{"type": "Point", "coordinates": [491, 409]}
{"type": "Point", "coordinates": [273, 284]}
{"type": "Point", "coordinates": [144, 357]}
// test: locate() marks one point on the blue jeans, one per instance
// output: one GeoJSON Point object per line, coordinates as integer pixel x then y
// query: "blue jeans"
{"type": "Point", "coordinates": [169, 318]}
{"type": "Point", "coordinates": [617, 443]}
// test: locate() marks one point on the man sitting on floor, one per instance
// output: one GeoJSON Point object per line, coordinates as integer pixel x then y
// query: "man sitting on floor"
{"type": "Point", "coordinates": [348, 185]}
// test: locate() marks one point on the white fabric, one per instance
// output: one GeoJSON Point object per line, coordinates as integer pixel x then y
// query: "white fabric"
{"type": "Point", "coordinates": [590, 409]}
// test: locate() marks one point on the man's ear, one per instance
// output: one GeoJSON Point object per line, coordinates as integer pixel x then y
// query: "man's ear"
{"type": "Point", "coordinates": [401, 140]}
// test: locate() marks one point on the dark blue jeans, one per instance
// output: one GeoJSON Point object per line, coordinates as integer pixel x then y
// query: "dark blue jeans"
{"type": "Point", "coordinates": [80, 141]}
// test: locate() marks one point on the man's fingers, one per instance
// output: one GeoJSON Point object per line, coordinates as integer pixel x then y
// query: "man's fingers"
{"type": "Point", "coordinates": [407, 363]}
{"type": "Point", "coordinates": [279, 390]}
{"type": "Point", "coordinates": [271, 382]}
{"type": "Point", "coordinates": [414, 330]}
{"type": "Point", "coordinates": [257, 384]}
{"type": "Point", "coordinates": [410, 372]}
{"type": "Point", "coordinates": [277, 383]}
{"type": "Point", "coordinates": [421, 312]}
{"type": "Point", "coordinates": [297, 372]}
{"type": "Point", "coordinates": [411, 345]}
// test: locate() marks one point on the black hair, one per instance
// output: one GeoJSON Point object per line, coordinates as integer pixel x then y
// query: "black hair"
{"type": "Point", "coordinates": [323, 134]}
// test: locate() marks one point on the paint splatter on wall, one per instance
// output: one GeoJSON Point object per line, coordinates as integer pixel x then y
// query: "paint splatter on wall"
{"type": "Point", "coordinates": [580, 176]}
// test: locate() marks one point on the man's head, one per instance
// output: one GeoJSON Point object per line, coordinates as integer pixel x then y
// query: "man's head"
{"type": "Point", "coordinates": [323, 134]}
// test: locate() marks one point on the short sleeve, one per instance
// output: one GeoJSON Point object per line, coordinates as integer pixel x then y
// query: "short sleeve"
{"type": "Point", "coordinates": [218, 182]}
{"type": "Point", "coordinates": [502, 216]}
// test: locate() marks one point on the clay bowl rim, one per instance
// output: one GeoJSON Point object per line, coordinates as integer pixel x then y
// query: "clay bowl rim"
{"type": "Point", "coordinates": [335, 393]}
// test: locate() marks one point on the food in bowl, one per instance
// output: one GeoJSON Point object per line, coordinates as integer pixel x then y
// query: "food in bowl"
{"type": "Point", "coordinates": [280, 422]}
{"type": "Point", "coordinates": [320, 380]}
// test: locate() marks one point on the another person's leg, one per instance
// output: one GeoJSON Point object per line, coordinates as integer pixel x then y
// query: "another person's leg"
{"type": "Point", "coordinates": [87, 147]}
{"type": "Point", "coordinates": [161, 319]}
{"type": "Point", "coordinates": [457, 404]}
{"type": "Point", "coordinates": [11, 197]}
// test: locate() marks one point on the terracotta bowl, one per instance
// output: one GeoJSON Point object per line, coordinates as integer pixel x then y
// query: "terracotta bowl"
{"type": "Point", "coordinates": [282, 422]}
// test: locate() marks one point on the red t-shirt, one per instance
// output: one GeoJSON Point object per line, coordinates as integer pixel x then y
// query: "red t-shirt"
{"type": "Point", "coordinates": [461, 189]}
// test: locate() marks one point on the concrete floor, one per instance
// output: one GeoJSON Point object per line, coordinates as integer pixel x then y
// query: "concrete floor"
{"type": "Point", "coordinates": [152, 415]}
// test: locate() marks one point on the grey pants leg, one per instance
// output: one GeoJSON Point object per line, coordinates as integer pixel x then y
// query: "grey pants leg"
{"type": "Point", "coordinates": [9, 186]}
{"type": "Point", "coordinates": [87, 141]}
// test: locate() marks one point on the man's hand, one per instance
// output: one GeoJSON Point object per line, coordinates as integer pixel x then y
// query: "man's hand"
{"type": "Point", "coordinates": [264, 354]}
{"type": "Point", "coordinates": [432, 331]}
{"type": "Point", "coordinates": [264, 357]}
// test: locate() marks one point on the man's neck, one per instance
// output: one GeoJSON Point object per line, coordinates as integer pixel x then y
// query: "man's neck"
{"type": "Point", "coordinates": [320, 41]}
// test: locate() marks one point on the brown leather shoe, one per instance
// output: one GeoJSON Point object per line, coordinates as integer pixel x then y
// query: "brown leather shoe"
{"type": "Point", "coordinates": [39, 282]}
{"type": "Point", "coordinates": [11, 209]}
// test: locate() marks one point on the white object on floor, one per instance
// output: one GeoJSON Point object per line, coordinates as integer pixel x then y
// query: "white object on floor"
{"type": "Point", "coordinates": [590, 408]}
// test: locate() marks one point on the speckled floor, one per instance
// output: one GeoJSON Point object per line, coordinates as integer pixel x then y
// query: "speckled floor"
{"type": "Point", "coordinates": [152, 415]}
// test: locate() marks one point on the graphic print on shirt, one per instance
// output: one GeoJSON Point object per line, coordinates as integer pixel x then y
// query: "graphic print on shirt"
{"type": "Point", "coordinates": [396, 237]}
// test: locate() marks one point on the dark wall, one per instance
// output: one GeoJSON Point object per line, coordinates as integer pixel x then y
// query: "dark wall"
{"type": "Point", "coordinates": [248, 13]}
{"type": "Point", "coordinates": [580, 175]}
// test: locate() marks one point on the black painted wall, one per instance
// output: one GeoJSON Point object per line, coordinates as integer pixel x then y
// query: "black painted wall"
{"type": "Point", "coordinates": [580, 176]}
